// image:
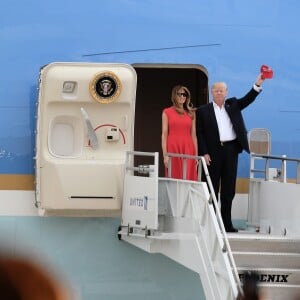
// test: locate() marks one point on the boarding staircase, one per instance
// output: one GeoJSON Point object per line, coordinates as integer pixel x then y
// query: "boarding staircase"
{"type": "Point", "coordinates": [184, 226]}
{"type": "Point", "coordinates": [177, 218]}
{"type": "Point", "coordinates": [270, 244]}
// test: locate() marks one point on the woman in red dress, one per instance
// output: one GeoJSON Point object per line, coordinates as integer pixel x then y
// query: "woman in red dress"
{"type": "Point", "coordinates": [179, 134]}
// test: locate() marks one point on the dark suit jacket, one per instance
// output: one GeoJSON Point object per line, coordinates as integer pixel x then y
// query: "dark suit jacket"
{"type": "Point", "coordinates": [207, 127]}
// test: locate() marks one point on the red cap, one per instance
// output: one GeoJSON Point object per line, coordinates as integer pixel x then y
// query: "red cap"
{"type": "Point", "coordinates": [266, 71]}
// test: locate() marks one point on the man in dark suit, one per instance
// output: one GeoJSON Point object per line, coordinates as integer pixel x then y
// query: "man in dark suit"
{"type": "Point", "coordinates": [222, 135]}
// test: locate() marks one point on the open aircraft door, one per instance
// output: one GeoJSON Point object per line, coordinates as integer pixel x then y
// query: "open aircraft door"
{"type": "Point", "coordinates": [85, 125]}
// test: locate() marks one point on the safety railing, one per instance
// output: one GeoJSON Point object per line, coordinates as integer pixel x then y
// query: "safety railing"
{"type": "Point", "coordinates": [202, 168]}
{"type": "Point", "coordinates": [282, 171]}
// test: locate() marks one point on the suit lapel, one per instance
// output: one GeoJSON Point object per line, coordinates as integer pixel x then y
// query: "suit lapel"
{"type": "Point", "coordinates": [227, 106]}
{"type": "Point", "coordinates": [212, 117]}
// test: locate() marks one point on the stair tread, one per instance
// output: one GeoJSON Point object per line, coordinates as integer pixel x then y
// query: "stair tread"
{"type": "Point", "coordinates": [265, 253]}
{"type": "Point", "coordinates": [246, 235]}
{"type": "Point", "coordinates": [275, 269]}
{"type": "Point", "coordinates": [278, 285]}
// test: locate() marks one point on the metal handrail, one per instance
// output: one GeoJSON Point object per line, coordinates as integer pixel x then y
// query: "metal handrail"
{"type": "Point", "coordinates": [212, 200]}
{"type": "Point", "coordinates": [284, 159]}
{"type": "Point", "coordinates": [221, 224]}
{"type": "Point", "coordinates": [142, 169]}
{"type": "Point", "coordinates": [184, 157]}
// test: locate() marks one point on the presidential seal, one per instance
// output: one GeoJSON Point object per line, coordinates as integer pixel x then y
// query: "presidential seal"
{"type": "Point", "coordinates": [105, 87]}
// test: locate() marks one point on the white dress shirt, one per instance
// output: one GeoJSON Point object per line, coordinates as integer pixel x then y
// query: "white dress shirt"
{"type": "Point", "coordinates": [225, 127]}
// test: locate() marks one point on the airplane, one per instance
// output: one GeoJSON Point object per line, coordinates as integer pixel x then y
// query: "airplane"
{"type": "Point", "coordinates": [194, 43]}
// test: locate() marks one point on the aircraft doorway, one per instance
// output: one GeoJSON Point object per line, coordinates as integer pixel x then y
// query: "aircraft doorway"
{"type": "Point", "coordinates": [154, 86]}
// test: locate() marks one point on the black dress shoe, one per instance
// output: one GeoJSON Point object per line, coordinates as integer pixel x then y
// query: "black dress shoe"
{"type": "Point", "coordinates": [231, 229]}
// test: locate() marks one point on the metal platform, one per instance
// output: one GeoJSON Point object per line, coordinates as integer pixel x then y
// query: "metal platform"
{"type": "Point", "coordinates": [177, 218]}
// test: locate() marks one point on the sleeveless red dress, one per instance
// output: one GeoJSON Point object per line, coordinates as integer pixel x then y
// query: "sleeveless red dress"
{"type": "Point", "coordinates": [180, 141]}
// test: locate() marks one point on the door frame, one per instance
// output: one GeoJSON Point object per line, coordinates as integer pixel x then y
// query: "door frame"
{"type": "Point", "coordinates": [154, 86]}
